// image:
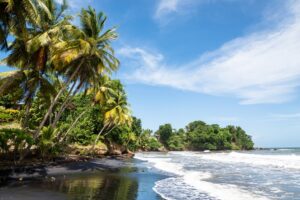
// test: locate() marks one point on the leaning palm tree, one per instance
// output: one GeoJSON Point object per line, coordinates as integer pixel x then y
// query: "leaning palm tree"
{"type": "Point", "coordinates": [30, 82]}
{"type": "Point", "coordinates": [117, 113]}
{"type": "Point", "coordinates": [30, 52]}
{"type": "Point", "coordinates": [85, 57]}
{"type": "Point", "coordinates": [101, 93]}
{"type": "Point", "coordinates": [15, 14]}
{"type": "Point", "coordinates": [33, 51]}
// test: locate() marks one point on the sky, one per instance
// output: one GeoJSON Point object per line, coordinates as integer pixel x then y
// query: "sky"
{"type": "Point", "coordinates": [220, 61]}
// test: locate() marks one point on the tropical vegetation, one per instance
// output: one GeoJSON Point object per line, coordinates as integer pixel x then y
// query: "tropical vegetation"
{"type": "Point", "coordinates": [60, 90]}
{"type": "Point", "coordinates": [198, 135]}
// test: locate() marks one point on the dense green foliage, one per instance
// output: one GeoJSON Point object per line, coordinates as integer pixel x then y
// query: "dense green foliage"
{"type": "Point", "coordinates": [147, 142]}
{"type": "Point", "coordinates": [14, 142]}
{"type": "Point", "coordinates": [200, 136]}
{"type": "Point", "coordinates": [8, 115]}
{"type": "Point", "coordinates": [61, 87]}
{"type": "Point", "coordinates": [164, 133]}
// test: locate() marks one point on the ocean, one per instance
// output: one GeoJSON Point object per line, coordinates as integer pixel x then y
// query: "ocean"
{"type": "Point", "coordinates": [235, 175]}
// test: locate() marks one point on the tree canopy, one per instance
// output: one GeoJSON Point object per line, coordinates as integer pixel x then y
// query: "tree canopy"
{"type": "Point", "coordinates": [198, 135]}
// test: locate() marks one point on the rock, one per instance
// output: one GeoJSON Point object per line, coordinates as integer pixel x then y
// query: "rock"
{"type": "Point", "coordinates": [128, 154]}
{"type": "Point", "coordinates": [114, 149]}
{"type": "Point", "coordinates": [115, 152]}
{"type": "Point", "coordinates": [162, 149]}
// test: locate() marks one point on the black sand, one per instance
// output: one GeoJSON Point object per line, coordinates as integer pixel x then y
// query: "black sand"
{"type": "Point", "coordinates": [96, 179]}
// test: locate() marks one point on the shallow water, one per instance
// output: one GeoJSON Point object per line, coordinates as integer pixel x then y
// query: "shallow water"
{"type": "Point", "coordinates": [122, 184]}
{"type": "Point", "coordinates": [261, 174]}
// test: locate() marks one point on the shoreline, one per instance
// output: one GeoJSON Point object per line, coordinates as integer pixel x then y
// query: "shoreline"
{"type": "Point", "coordinates": [69, 164]}
{"type": "Point", "coordinates": [31, 169]}
{"type": "Point", "coordinates": [101, 178]}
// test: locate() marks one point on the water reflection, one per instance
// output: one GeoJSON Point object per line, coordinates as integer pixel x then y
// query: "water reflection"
{"type": "Point", "coordinates": [84, 186]}
{"type": "Point", "coordinates": [93, 182]}
{"type": "Point", "coordinates": [96, 186]}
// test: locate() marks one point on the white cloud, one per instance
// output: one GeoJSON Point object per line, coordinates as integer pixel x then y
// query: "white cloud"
{"type": "Point", "coordinates": [165, 8]}
{"type": "Point", "coordinates": [263, 67]}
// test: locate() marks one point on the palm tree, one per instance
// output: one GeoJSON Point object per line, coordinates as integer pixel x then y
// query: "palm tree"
{"type": "Point", "coordinates": [31, 83]}
{"type": "Point", "coordinates": [84, 58]}
{"type": "Point", "coordinates": [31, 52]}
{"type": "Point", "coordinates": [117, 113]}
{"type": "Point", "coordinates": [4, 22]}
{"type": "Point", "coordinates": [101, 93]}
{"type": "Point", "coordinates": [14, 15]}
{"type": "Point", "coordinates": [22, 16]}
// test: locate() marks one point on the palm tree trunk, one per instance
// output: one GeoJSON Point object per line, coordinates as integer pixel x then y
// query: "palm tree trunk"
{"type": "Point", "coordinates": [73, 125]}
{"type": "Point", "coordinates": [98, 136]}
{"type": "Point", "coordinates": [109, 131]}
{"type": "Point", "coordinates": [64, 105]}
{"type": "Point", "coordinates": [26, 118]}
{"type": "Point", "coordinates": [55, 101]}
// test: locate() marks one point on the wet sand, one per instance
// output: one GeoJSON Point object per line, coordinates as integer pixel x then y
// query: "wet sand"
{"type": "Point", "coordinates": [95, 179]}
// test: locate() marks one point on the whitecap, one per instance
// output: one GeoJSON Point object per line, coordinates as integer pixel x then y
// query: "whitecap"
{"type": "Point", "coordinates": [189, 184]}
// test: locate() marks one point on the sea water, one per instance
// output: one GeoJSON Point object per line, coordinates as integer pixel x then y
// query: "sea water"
{"type": "Point", "coordinates": [235, 175]}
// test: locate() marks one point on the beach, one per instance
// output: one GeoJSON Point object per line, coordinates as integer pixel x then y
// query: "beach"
{"type": "Point", "coordinates": [94, 179]}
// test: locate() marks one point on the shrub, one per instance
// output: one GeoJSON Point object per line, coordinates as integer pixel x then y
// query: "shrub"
{"type": "Point", "coordinates": [153, 144]}
{"type": "Point", "coordinates": [8, 115]}
{"type": "Point", "coordinates": [14, 139]}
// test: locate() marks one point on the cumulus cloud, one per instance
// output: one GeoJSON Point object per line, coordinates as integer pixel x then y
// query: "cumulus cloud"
{"type": "Point", "coordinates": [263, 67]}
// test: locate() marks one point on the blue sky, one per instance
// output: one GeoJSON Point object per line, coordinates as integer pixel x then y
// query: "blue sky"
{"type": "Point", "coordinates": [221, 61]}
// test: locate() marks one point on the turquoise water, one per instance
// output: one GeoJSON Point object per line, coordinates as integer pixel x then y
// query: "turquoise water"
{"type": "Point", "coordinates": [260, 174]}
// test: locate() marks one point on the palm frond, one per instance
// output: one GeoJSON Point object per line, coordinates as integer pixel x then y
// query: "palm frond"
{"type": "Point", "coordinates": [46, 8]}
{"type": "Point", "coordinates": [11, 82]}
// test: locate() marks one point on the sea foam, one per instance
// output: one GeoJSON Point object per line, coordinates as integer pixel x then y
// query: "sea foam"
{"type": "Point", "coordinates": [278, 161]}
{"type": "Point", "coordinates": [189, 184]}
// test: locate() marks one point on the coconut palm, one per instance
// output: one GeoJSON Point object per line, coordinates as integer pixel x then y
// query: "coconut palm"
{"type": "Point", "coordinates": [117, 113]}
{"type": "Point", "coordinates": [84, 58]}
{"type": "Point", "coordinates": [21, 16]}
{"type": "Point", "coordinates": [4, 22]}
{"type": "Point", "coordinates": [31, 83]}
{"type": "Point", "coordinates": [31, 53]}
{"type": "Point", "coordinates": [101, 93]}
{"type": "Point", "coordinates": [14, 15]}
